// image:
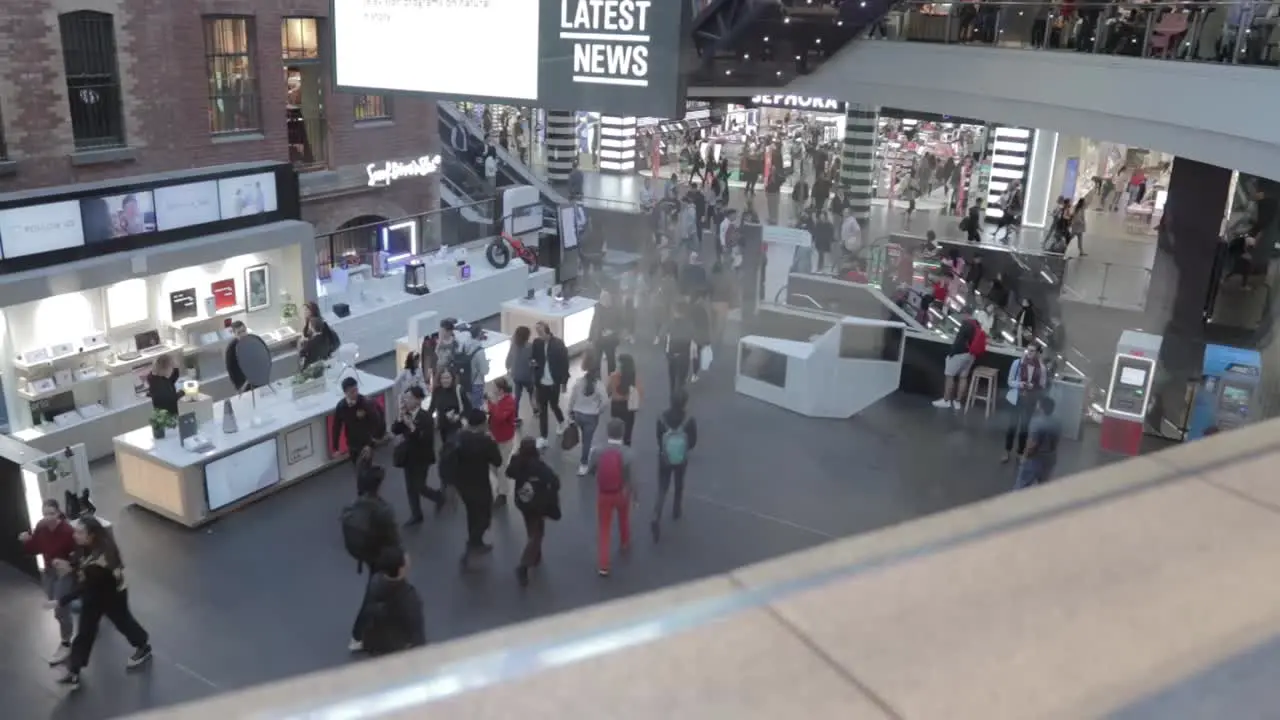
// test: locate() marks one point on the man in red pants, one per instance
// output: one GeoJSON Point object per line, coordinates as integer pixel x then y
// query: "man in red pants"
{"type": "Point", "coordinates": [611, 466]}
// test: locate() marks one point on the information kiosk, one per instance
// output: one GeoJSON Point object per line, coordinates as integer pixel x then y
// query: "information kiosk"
{"type": "Point", "coordinates": [1133, 373]}
{"type": "Point", "coordinates": [1226, 397]}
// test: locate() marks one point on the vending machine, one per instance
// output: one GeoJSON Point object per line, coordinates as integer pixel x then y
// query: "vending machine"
{"type": "Point", "coordinates": [1133, 373]}
{"type": "Point", "coordinates": [1227, 395]}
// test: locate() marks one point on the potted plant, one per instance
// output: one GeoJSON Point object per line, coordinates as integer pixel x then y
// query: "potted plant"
{"type": "Point", "coordinates": [160, 421]}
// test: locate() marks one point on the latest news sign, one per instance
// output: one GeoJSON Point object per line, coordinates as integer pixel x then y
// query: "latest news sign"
{"type": "Point", "coordinates": [616, 57]}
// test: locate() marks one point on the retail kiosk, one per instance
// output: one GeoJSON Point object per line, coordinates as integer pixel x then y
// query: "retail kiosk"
{"type": "Point", "coordinates": [99, 280]}
{"type": "Point", "coordinates": [496, 345]}
{"type": "Point", "coordinates": [275, 441]}
{"type": "Point", "coordinates": [569, 318]}
{"type": "Point", "coordinates": [836, 375]}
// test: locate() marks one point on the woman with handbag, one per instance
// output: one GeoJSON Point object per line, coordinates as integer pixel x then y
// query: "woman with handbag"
{"type": "Point", "coordinates": [416, 452]}
{"type": "Point", "coordinates": [624, 395]}
{"type": "Point", "coordinates": [537, 493]}
{"type": "Point", "coordinates": [587, 402]}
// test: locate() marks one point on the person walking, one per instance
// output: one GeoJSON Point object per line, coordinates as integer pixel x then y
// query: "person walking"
{"type": "Point", "coordinates": [625, 395]}
{"type": "Point", "coordinates": [473, 456]}
{"type": "Point", "coordinates": [611, 464]}
{"type": "Point", "coordinates": [551, 373]}
{"type": "Point", "coordinates": [1079, 224]}
{"type": "Point", "coordinates": [449, 405]}
{"type": "Point", "coordinates": [607, 327]}
{"type": "Point", "coordinates": [416, 452]}
{"type": "Point", "coordinates": [368, 528]}
{"type": "Point", "coordinates": [103, 593]}
{"type": "Point", "coordinates": [537, 491]}
{"type": "Point", "coordinates": [392, 610]}
{"type": "Point", "coordinates": [520, 368]}
{"type": "Point", "coordinates": [1041, 453]}
{"type": "Point", "coordinates": [360, 420]}
{"type": "Point", "coordinates": [587, 402]}
{"type": "Point", "coordinates": [1026, 383]}
{"type": "Point", "coordinates": [677, 435]}
{"type": "Point", "coordinates": [502, 428]}
{"type": "Point", "coordinates": [54, 539]}
{"type": "Point", "coordinates": [679, 347]}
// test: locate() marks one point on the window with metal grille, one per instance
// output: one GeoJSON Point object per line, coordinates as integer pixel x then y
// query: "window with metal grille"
{"type": "Point", "coordinates": [373, 107]}
{"type": "Point", "coordinates": [299, 39]}
{"type": "Point", "coordinates": [93, 79]}
{"type": "Point", "coordinates": [233, 86]}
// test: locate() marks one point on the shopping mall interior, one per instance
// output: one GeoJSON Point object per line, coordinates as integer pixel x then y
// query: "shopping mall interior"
{"type": "Point", "coordinates": [831, 469]}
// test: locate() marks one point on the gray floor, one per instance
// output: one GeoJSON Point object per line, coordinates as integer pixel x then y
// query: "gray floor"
{"type": "Point", "coordinates": [269, 592]}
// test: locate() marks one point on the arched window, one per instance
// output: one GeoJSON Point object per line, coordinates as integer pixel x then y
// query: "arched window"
{"type": "Point", "coordinates": [93, 79]}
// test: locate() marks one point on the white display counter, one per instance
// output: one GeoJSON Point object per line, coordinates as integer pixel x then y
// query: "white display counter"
{"type": "Point", "coordinates": [496, 346]}
{"type": "Point", "coordinates": [570, 319]}
{"type": "Point", "coordinates": [279, 442]}
{"type": "Point", "coordinates": [836, 375]}
{"type": "Point", "coordinates": [380, 307]}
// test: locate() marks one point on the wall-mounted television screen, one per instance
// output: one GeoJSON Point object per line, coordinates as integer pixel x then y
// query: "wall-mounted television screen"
{"type": "Point", "coordinates": [763, 365]}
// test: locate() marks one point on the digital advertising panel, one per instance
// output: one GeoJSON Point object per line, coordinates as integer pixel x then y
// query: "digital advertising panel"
{"type": "Point", "coordinates": [117, 216]}
{"type": "Point", "coordinates": [40, 229]}
{"type": "Point", "coordinates": [179, 206]}
{"type": "Point", "coordinates": [620, 57]}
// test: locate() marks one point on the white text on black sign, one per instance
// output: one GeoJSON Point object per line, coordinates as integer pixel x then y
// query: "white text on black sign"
{"type": "Point", "coordinates": [610, 40]}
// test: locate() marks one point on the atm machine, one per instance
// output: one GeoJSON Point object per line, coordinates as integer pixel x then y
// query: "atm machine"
{"type": "Point", "coordinates": [1227, 395]}
{"type": "Point", "coordinates": [1133, 373]}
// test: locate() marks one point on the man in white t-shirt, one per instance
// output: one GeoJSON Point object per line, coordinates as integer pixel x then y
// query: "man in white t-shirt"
{"type": "Point", "coordinates": [491, 167]}
{"type": "Point", "coordinates": [851, 235]}
{"type": "Point", "coordinates": [728, 225]}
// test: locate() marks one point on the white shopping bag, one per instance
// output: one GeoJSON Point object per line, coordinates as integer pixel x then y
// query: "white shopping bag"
{"type": "Point", "coordinates": [704, 358]}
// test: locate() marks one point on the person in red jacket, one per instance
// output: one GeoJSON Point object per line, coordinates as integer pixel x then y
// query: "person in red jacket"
{"type": "Point", "coordinates": [502, 426]}
{"type": "Point", "coordinates": [53, 538]}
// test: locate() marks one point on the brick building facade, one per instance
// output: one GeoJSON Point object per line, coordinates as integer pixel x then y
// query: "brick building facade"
{"type": "Point", "coordinates": [102, 89]}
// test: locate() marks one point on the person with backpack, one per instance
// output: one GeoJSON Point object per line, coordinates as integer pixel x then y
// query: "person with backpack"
{"type": "Point", "coordinates": [360, 419]}
{"type": "Point", "coordinates": [968, 345]}
{"type": "Point", "coordinates": [470, 367]}
{"type": "Point", "coordinates": [473, 455]}
{"type": "Point", "coordinates": [677, 435]}
{"type": "Point", "coordinates": [368, 528]}
{"type": "Point", "coordinates": [537, 493]}
{"type": "Point", "coordinates": [392, 609]}
{"type": "Point", "coordinates": [416, 452]}
{"type": "Point", "coordinates": [611, 464]}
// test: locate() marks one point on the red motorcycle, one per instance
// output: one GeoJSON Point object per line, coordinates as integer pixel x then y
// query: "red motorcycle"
{"type": "Point", "coordinates": [504, 247]}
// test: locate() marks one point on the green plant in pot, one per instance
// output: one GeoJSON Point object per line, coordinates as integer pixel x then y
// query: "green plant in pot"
{"type": "Point", "coordinates": [314, 371]}
{"type": "Point", "coordinates": [162, 420]}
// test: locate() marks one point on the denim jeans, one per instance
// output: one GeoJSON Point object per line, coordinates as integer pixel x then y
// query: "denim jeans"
{"type": "Point", "coordinates": [56, 587]}
{"type": "Point", "coordinates": [477, 395]}
{"type": "Point", "coordinates": [1033, 471]}
{"type": "Point", "coordinates": [587, 426]}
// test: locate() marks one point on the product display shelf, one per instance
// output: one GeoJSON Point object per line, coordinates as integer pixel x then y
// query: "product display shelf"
{"type": "Point", "coordinates": [26, 394]}
{"type": "Point", "coordinates": [61, 358]}
{"type": "Point", "coordinates": [117, 366]}
{"type": "Point", "coordinates": [222, 342]}
{"type": "Point", "coordinates": [217, 315]}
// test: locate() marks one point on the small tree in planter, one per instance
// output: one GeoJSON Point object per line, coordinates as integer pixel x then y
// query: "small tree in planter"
{"type": "Point", "coordinates": [162, 420]}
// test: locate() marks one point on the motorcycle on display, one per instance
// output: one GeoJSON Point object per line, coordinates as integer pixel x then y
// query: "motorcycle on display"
{"type": "Point", "coordinates": [504, 247]}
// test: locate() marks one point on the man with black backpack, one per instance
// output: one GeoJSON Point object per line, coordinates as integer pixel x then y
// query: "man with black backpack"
{"type": "Point", "coordinates": [368, 529]}
{"type": "Point", "coordinates": [677, 435]}
{"type": "Point", "coordinates": [392, 610]}
{"type": "Point", "coordinates": [470, 366]}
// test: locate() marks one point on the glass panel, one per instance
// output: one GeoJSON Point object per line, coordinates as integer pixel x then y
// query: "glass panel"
{"type": "Point", "coordinates": [93, 86]}
{"type": "Point", "coordinates": [299, 39]}
{"type": "Point", "coordinates": [233, 87]}
{"type": "Point", "coordinates": [373, 107]}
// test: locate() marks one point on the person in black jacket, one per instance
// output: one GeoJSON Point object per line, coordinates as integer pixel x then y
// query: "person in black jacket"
{"type": "Point", "coordinates": [234, 373]}
{"type": "Point", "coordinates": [102, 593]}
{"type": "Point", "coordinates": [550, 377]}
{"type": "Point", "coordinates": [473, 456]}
{"type": "Point", "coordinates": [320, 342]}
{"type": "Point", "coordinates": [382, 534]}
{"type": "Point", "coordinates": [392, 610]}
{"type": "Point", "coordinates": [675, 419]}
{"type": "Point", "coordinates": [416, 429]}
{"type": "Point", "coordinates": [679, 348]}
{"type": "Point", "coordinates": [606, 329]}
{"type": "Point", "coordinates": [824, 237]}
{"type": "Point", "coordinates": [162, 385]}
{"type": "Point", "coordinates": [536, 489]}
{"type": "Point", "coordinates": [449, 405]}
{"type": "Point", "coordinates": [360, 419]}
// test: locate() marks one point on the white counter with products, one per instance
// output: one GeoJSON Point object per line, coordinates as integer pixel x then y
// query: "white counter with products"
{"type": "Point", "coordinates": [570, 319]}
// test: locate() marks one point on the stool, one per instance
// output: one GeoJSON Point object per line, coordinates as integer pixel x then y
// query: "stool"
{"type": "Point", "coordinates": [989, 379]}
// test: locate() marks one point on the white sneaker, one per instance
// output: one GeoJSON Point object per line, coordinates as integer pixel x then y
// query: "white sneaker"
{"type": "Point", "coordinates": [559, 430]}
{"type": "Point", "coordinates": [542, 443]}
{"type": "Point", "coordinates": [955, 405]}
{"type": "Point", "coordinates": [355, 646]}
{"type": "Point", "coordinates": [941, 403]}
{"type": "Point", "coordinates": [693, 378]}
{"type": "Point", "coordinates": [582, 470]}
{"type": "Point", "coordinates": [60, 655]}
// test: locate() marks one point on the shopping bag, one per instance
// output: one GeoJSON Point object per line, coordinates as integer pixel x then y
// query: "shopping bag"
{"type": "Point", "coordinates": [704, 358]}
{"type": "Point", "coordinates": [571, 437]}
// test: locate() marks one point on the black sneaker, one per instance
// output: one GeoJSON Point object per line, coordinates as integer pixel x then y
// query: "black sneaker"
{"type": "Point", "coordinates": [139, 657]}
{"type": "Point", "coordinates": [655, 530]}
{"type": "Point", "coordinates": [71, 680]}
{"type": "Point", "coordinates": [484, 549]}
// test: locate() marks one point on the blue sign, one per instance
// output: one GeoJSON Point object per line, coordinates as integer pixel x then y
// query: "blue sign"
{"type": "Point", "coordinates": [1227, 396]}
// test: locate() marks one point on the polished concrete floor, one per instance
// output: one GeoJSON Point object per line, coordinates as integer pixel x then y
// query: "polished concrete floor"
{"type": "Point", "coordinates": [269, 592]}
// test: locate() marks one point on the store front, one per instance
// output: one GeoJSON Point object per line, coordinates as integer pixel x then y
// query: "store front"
{"type": "Point", "coordinates": [941, 153]}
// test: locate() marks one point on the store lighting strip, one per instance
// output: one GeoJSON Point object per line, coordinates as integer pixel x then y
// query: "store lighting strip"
{"type": "Point", "coordinates": [409, 225]}
{"type": "Point", "coordinates": [617, 143]}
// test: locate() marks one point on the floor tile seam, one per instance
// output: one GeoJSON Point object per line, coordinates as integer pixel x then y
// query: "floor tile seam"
{"type": "Point", "coordinates": [843, 672]}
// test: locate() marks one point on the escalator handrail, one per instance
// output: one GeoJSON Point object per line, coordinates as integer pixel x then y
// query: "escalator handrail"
{"type": "Point", "coordinates": [523, 171]}
{"type": "Point", "coordinates": [474, 179]}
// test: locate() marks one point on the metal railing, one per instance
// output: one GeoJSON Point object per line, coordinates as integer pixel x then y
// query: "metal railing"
{"type": "Point", "coordinates": [448, 227]}
{"type": "Point", "coordinates": [1231, 32]}
{"type": "Point", "coordinates": [1107, 284]}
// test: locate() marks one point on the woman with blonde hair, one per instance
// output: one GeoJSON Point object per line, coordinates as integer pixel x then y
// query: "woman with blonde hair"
{"type": "Point", "coordinates": [162, 384]}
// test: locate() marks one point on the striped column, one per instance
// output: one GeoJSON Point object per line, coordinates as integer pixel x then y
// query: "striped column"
{"type": "Point", "coordinates": [858, 159]}
{"type": "Point", "coordinates": [562, 145]}
{"type": "Point", "coordinates": [1009, 152]}
{"type": "Point", "coordinates": [617, 144]}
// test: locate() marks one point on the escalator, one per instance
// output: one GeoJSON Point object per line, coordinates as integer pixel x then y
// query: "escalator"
{"type": "Point", "coordinates": [769, 43]}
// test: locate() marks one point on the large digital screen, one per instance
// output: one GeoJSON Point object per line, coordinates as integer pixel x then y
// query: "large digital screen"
{"type": "Point", "coordinates": [241, 474]}
{"type": "Point", "coordinates": [620, 57]}
{"type": "Point", "coordinates": [117, 216]}
{"type": "Point", "coordinates": [247, 195]}
{"type": "Point", "coordinates": [40, 229]}
{"type": "Point", "coordinates": [179, 206]}
{"type": "Point", "coordinates": [764, 365]}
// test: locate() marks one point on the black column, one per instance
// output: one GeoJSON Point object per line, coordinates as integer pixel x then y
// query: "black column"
{"type": "Point", "coordinates": [1181, 277]}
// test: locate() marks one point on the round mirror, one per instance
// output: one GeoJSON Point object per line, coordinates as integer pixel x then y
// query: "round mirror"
{"type": "Point", "coordinates": [254, 359]}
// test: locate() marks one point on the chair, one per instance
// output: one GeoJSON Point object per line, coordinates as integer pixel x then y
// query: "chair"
{"type": "Point", "coordinates": [990, 379]}
{"type": "Point", "coordinates": [1169, 27]}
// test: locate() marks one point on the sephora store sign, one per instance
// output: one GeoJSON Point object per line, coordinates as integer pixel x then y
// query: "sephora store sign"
{"type": "Point", "coordinates": [798, 102]}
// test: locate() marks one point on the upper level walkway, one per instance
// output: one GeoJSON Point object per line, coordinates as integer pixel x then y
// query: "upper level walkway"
{"type": "Point", "coordinates": [1144, 590]}
{"type": "Point", "coordinates": [1193, 79]}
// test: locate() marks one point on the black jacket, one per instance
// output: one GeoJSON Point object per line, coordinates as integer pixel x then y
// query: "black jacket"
{"type": "Point", "coordinates": [444, 400]}
{"type": "Point", "coordinates": [421, 441]}
{"type": "Point", "coordinates": [553, 352]}
{"type": "Point", "coordinates": [474, 455]}
{"type": "Point", "coordinates": [671, 419]}
{"type": "Point", "coordinates": [164, 392]}
{"type": "Point", "coordinates": [964, 337]}
{"type": "Point", "coordinates": [680, 334]}
{"type": "Point", "coordinates": [606, 320]}
{"type": "Point", "coordinates": [316, 348]}
{"type": "Point", "coordinates": [403, 613]}
{"type": "Point", "coordinates": [361, 430]}
{"type": "Point", "coordinates": [545, 483]}
{"type": "Point", "coordinates": [238, 380]}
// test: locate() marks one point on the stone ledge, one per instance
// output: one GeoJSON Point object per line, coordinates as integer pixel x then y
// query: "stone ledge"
{"type": "Point", "coordinates": [238, 137]}
{"type": "Point", "coordinates": [8, 168]}
{"type": "Point", "coordinates": [374, 123]}
{"type": "Point", "coordinates": [82, 158]}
